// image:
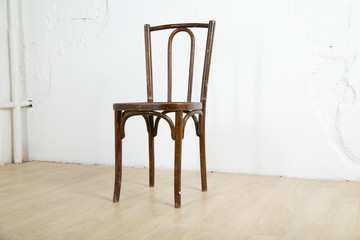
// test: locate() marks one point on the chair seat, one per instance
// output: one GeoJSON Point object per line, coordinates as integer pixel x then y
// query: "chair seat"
{"type": "Point", "coordinates": [158, 106]}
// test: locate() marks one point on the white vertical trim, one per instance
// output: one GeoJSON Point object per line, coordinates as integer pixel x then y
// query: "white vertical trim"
{"type": "Point", "coordinates": [14, 78]}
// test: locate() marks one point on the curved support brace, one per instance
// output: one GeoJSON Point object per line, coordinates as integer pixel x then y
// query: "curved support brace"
{"type": "Point", "coordinates": [197, 125]}
{"type": "Point", "coordinates": [151, 129]}
{"type": "Point", "coordinates": [127, 115]}
{"type": "Point", "coordinates": [149, 124]}
{"type": "Point", "coordinates": [196, 122]}
{"type": "Point", "coordinates": [146, 118]}
{"type": "Point", "coordinates": [167, 119]}
{"type": "Point", "coordinates": [157, 120]}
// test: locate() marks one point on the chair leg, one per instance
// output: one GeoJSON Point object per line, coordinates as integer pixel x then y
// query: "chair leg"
{"type": "Point", "coordinates": [151, 161]}
{"type": "Point", "coordinates": [202, 155]}
{"type": "Point", "coordinates": [118, 157]}
{"type": "Point", "coordinates": [177, 167]}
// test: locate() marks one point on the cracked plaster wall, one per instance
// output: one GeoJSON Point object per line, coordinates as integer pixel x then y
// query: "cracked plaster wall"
{"type": "Point", "coordinates": [65, 26]}
{"type": "Point", "coordinates": [334, 29]}
{"type": "Point", "coordinates": [282, 90]}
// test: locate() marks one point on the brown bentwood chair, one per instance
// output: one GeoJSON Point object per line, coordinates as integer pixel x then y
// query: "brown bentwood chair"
{"type": "Point", "coordinates": [154, 111]}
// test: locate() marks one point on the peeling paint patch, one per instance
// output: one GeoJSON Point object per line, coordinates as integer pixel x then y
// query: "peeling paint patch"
{"type": "Point", "coordinates": [71, 24]}
{"type": "Point", "coordinates": [334, 29]}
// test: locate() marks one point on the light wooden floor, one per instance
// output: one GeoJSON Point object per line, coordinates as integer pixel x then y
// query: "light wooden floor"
{"type": "Point", "coordinates": [64, 201]}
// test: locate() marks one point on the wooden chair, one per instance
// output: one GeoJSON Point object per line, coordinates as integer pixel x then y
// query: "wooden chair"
{"type": "Point", "coordinates": [154, 111]}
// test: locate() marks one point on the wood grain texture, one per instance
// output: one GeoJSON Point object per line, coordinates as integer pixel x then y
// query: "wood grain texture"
{"type": "Point", "coordinates": [69, 201]}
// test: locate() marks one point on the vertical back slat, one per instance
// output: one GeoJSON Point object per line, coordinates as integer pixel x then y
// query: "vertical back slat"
{"type": "Point", "coordinates": [206, 71]}
{"type": "Point", "coordinates": [191, 64]}
{"type": "Point", "coordinates": [149, 77]}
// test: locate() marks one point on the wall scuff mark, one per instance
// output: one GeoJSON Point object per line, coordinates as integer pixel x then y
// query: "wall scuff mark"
{"type": "Point", "coordinates": [70, 25]}
{"type": "Point", "coordinates": [334, 29]}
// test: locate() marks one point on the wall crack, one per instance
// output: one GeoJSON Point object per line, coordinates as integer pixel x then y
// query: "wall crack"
{"type": "Point", "coordinates": [70, 25]}
{"type": "Point", "coordinates": [334, 29]}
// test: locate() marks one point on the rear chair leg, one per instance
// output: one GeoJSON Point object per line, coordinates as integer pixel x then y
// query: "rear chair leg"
{"type": "Point", "coordinates": [118, 157]}
{"type": "Point", "coordinates": [202, 154]}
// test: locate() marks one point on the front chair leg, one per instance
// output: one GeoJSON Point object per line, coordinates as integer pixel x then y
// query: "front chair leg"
{"type": "Point", "coordinates": [177, 167]}
{"type": "Point", "coordinates": [118, 157]}
{"type": "Point", "coordinates": [150, 127]}
{"type": "Point", "coordinates": [151, 161]}
{"type": "Point", "coordinates": [202, 154]}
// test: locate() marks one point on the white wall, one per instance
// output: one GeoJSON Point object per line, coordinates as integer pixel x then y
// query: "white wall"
{"type": "Point", "coordinates": [5, 115]}
{"type": "Point", "coordinates": [281, 101]}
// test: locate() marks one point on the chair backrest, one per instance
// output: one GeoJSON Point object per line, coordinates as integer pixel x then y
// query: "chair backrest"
{"type": "Point", "coordinates": [180, 28]}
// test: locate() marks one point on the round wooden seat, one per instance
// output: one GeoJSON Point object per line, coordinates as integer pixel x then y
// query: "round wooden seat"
{"type": "Point", "coordinates": [154, 106]}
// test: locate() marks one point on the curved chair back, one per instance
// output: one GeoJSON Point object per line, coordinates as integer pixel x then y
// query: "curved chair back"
{"type": "Point", "coordinates": [206, 69]}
